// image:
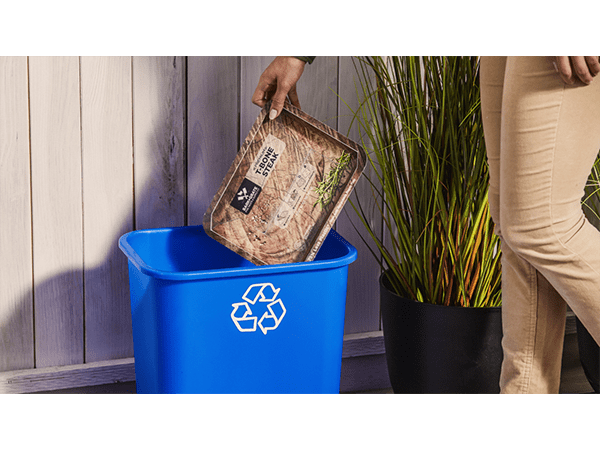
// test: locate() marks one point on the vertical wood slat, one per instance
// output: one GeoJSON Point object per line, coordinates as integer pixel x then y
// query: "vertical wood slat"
{"type": "Point", "coordinates": [16, 302]}
{"type": "Point", "coordinates": [317, 89]}
{"type": "Point", "coordinates": [159, 141]}
{"type": "Point", "coordinates": [251, 69]}
{"type": "Point", "coordinates": [107, 204]}
{"type": "Point", "coordinates": [362, 303]}
{"type": "Point", "coordinates": [57, 210]}
{"type": "Point", "coordinates": [213, 128]}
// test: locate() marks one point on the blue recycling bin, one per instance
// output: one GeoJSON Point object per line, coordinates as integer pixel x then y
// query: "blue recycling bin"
{"type": "Point", "coordinates": [206, 320]}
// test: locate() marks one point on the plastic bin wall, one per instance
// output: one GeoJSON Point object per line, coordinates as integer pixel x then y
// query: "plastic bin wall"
{"type": "Point", "coordinates": [205, 320]}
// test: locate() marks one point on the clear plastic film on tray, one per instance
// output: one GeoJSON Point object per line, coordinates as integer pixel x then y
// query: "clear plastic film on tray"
{"type": "Point", "coordinates": [285, 189]}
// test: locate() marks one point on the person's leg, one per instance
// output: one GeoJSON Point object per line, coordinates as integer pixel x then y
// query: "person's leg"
{"type": "Point", "coordinates": [550, 136]}
{"type": "Point", "coordinates": [531, 309]}
{"type": "Point", "coordinates": [491, 76]}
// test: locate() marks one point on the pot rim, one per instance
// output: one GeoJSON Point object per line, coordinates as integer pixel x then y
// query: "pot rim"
{"type": "Point", "coordinates": [383, 285]}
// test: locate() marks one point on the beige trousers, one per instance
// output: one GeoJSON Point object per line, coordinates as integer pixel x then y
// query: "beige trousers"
{"type": "Point", "coordinates": [542, 137]}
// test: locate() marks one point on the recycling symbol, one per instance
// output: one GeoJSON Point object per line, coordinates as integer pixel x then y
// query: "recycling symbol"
{"type": "Point", "coordinates": [256, 295]}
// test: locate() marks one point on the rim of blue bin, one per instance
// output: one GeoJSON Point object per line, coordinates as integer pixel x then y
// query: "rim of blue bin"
{"type": "Point", "coordinates": [139, 263]}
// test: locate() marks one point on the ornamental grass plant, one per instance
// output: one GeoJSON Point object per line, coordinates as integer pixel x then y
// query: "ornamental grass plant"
{"type": "Point", "coordinates": [420, 118]}
{"type": "Point", "coordinates": [591, 199]}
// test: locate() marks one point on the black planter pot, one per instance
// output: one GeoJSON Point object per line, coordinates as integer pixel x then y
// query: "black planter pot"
{"type": "Point", "coordinates": [440, 349]}
{"type": "Point", "coordinates": [589, 355]}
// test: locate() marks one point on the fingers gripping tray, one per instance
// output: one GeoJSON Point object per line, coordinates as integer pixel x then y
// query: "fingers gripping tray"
{"type": "Point", "coordinates": [285, 189]}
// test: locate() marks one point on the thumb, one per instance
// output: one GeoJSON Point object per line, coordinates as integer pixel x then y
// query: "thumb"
{"type": "Point", "coordinates": [277, 104]}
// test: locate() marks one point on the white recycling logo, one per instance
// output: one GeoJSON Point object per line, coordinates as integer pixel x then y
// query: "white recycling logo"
{"type": "Point", "coordinates": [243, 317]}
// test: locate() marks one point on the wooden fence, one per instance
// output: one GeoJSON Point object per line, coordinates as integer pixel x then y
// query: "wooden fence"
{"type": "Point", "coordinates": [93, 147]}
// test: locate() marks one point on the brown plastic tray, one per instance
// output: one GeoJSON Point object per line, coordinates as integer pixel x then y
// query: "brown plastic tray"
{"type": "Point", "coordinates": [267, 208]}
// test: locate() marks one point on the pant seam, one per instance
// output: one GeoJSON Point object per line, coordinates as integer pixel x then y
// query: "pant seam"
{"type": "Point", "coordinates": [531, 344]}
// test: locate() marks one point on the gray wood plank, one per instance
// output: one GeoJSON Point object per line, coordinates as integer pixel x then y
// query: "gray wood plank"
{"type": "Point", "coordinates": [363, 344]}
{"type": "Point", "coordinates": [159, 141]}
{"type": "Point", "coordinates": [57, 209]}
{"type": "Point", "coordinates": [73, 376]}
{"type": "Point", "coordinates": [16, 298]}
{"type": "Point", "coordinates": [317, 89]}
{"type": "Point", "coordinates": [251, 69]}
{"type": "Point", "coordinates": [107, 204]}
{"type": "Point", "coordinates": [213, 127]}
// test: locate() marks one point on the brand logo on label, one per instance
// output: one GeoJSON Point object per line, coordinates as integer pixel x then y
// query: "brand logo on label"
{"type": "Point", "coordinates": [255, 296]}
{"type": "Point", "coordinates": [246, 196]}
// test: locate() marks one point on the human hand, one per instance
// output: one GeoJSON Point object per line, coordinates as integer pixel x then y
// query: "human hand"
{"type": "Point", "coordinates": [571, 68]}
{"type": "Point", "coordinates": [277, 82]}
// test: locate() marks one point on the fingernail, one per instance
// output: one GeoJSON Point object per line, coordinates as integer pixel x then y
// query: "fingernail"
{"type": "Point", "coordinates": [272, 114]}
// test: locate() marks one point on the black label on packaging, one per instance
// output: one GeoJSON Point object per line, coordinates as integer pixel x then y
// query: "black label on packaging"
{"type": "Point", "coordinates": [246, 196]}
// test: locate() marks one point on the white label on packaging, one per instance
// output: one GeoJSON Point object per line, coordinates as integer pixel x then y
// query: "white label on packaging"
{"type": "Point", "coordinates": [265, 161]}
